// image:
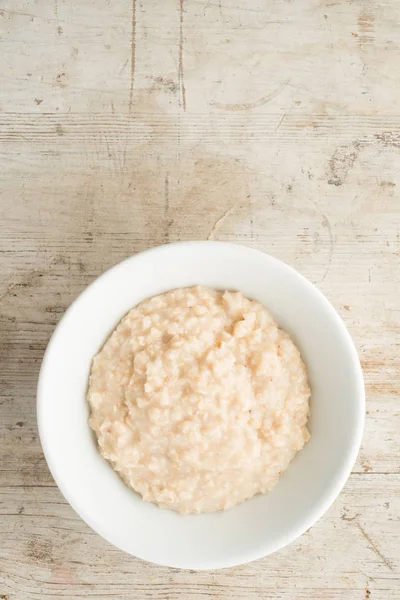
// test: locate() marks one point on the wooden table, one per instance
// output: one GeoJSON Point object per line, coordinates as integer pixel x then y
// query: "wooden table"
{"type": "Point", "coordinates": [271, 123]}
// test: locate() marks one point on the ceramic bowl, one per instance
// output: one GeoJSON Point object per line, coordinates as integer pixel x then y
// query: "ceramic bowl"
{"type": "Point", "coordinates": [252, 529]}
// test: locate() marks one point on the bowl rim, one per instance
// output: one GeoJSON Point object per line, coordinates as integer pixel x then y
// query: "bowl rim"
{"type": "Point", "coordinates": [318, 510]}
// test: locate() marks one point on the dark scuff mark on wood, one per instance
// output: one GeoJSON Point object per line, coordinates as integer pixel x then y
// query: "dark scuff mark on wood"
{"type": "Point", "coordinates": [280, 122]}
{"type": "Point", "coordinates": [344, 157]}
{"type": "Point", "coordinates": [255, 104]}
{"type": "Point", "coordinates": [166, 84]}
{"type": "Point", "coordinates": [122, 69]}
{"type": "Point", "coordinates": [55, 309]}
{"type": "Point", "coordinates": [375, 548]}
{"type": "Point", "coordinates": [180, 62]}
{"type": "Point", "coordinates": [28, 281]}
{"type": "Point", "coordinates": [133, 55]}
{"type": "Point", "coordinates": [344, 517]}
{"type": "Point", "coordinates": [40, 551]}
{"type": "Point", "coordinates": [387, 139]}
{"type": "Point", "coordinates": [341, 162]}
{"type": "Point", "coordinates": [62, 80]}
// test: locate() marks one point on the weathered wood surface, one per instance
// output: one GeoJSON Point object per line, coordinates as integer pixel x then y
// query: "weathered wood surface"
{"type": "Point", "coordinates": [270, 123]}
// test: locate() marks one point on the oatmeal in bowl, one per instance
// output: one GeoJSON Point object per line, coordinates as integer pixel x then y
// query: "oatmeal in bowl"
{"type": "Point", "coordinates": [199, 400]}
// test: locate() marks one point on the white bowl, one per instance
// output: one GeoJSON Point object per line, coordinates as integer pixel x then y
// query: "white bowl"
{"type": "Point", "coordinates": [252, 529]}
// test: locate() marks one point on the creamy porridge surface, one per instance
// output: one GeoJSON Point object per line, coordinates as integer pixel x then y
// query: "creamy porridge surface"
{"type": "Point", "coordinates": [199, 400]}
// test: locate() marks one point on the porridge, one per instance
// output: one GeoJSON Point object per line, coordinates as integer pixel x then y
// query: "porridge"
{"type": "Point", "coordinates": [199, 400]}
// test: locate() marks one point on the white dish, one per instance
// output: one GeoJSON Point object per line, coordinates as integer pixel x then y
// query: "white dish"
{"type": "Point", "coordinates": [252, 529]}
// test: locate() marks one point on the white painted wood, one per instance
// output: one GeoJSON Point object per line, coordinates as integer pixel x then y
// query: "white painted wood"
{"type": "Point", "coordinates": [271, 123]}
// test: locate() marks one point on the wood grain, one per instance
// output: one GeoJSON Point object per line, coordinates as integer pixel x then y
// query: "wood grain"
{"type": "Point", "coordinates": [128, 124]}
